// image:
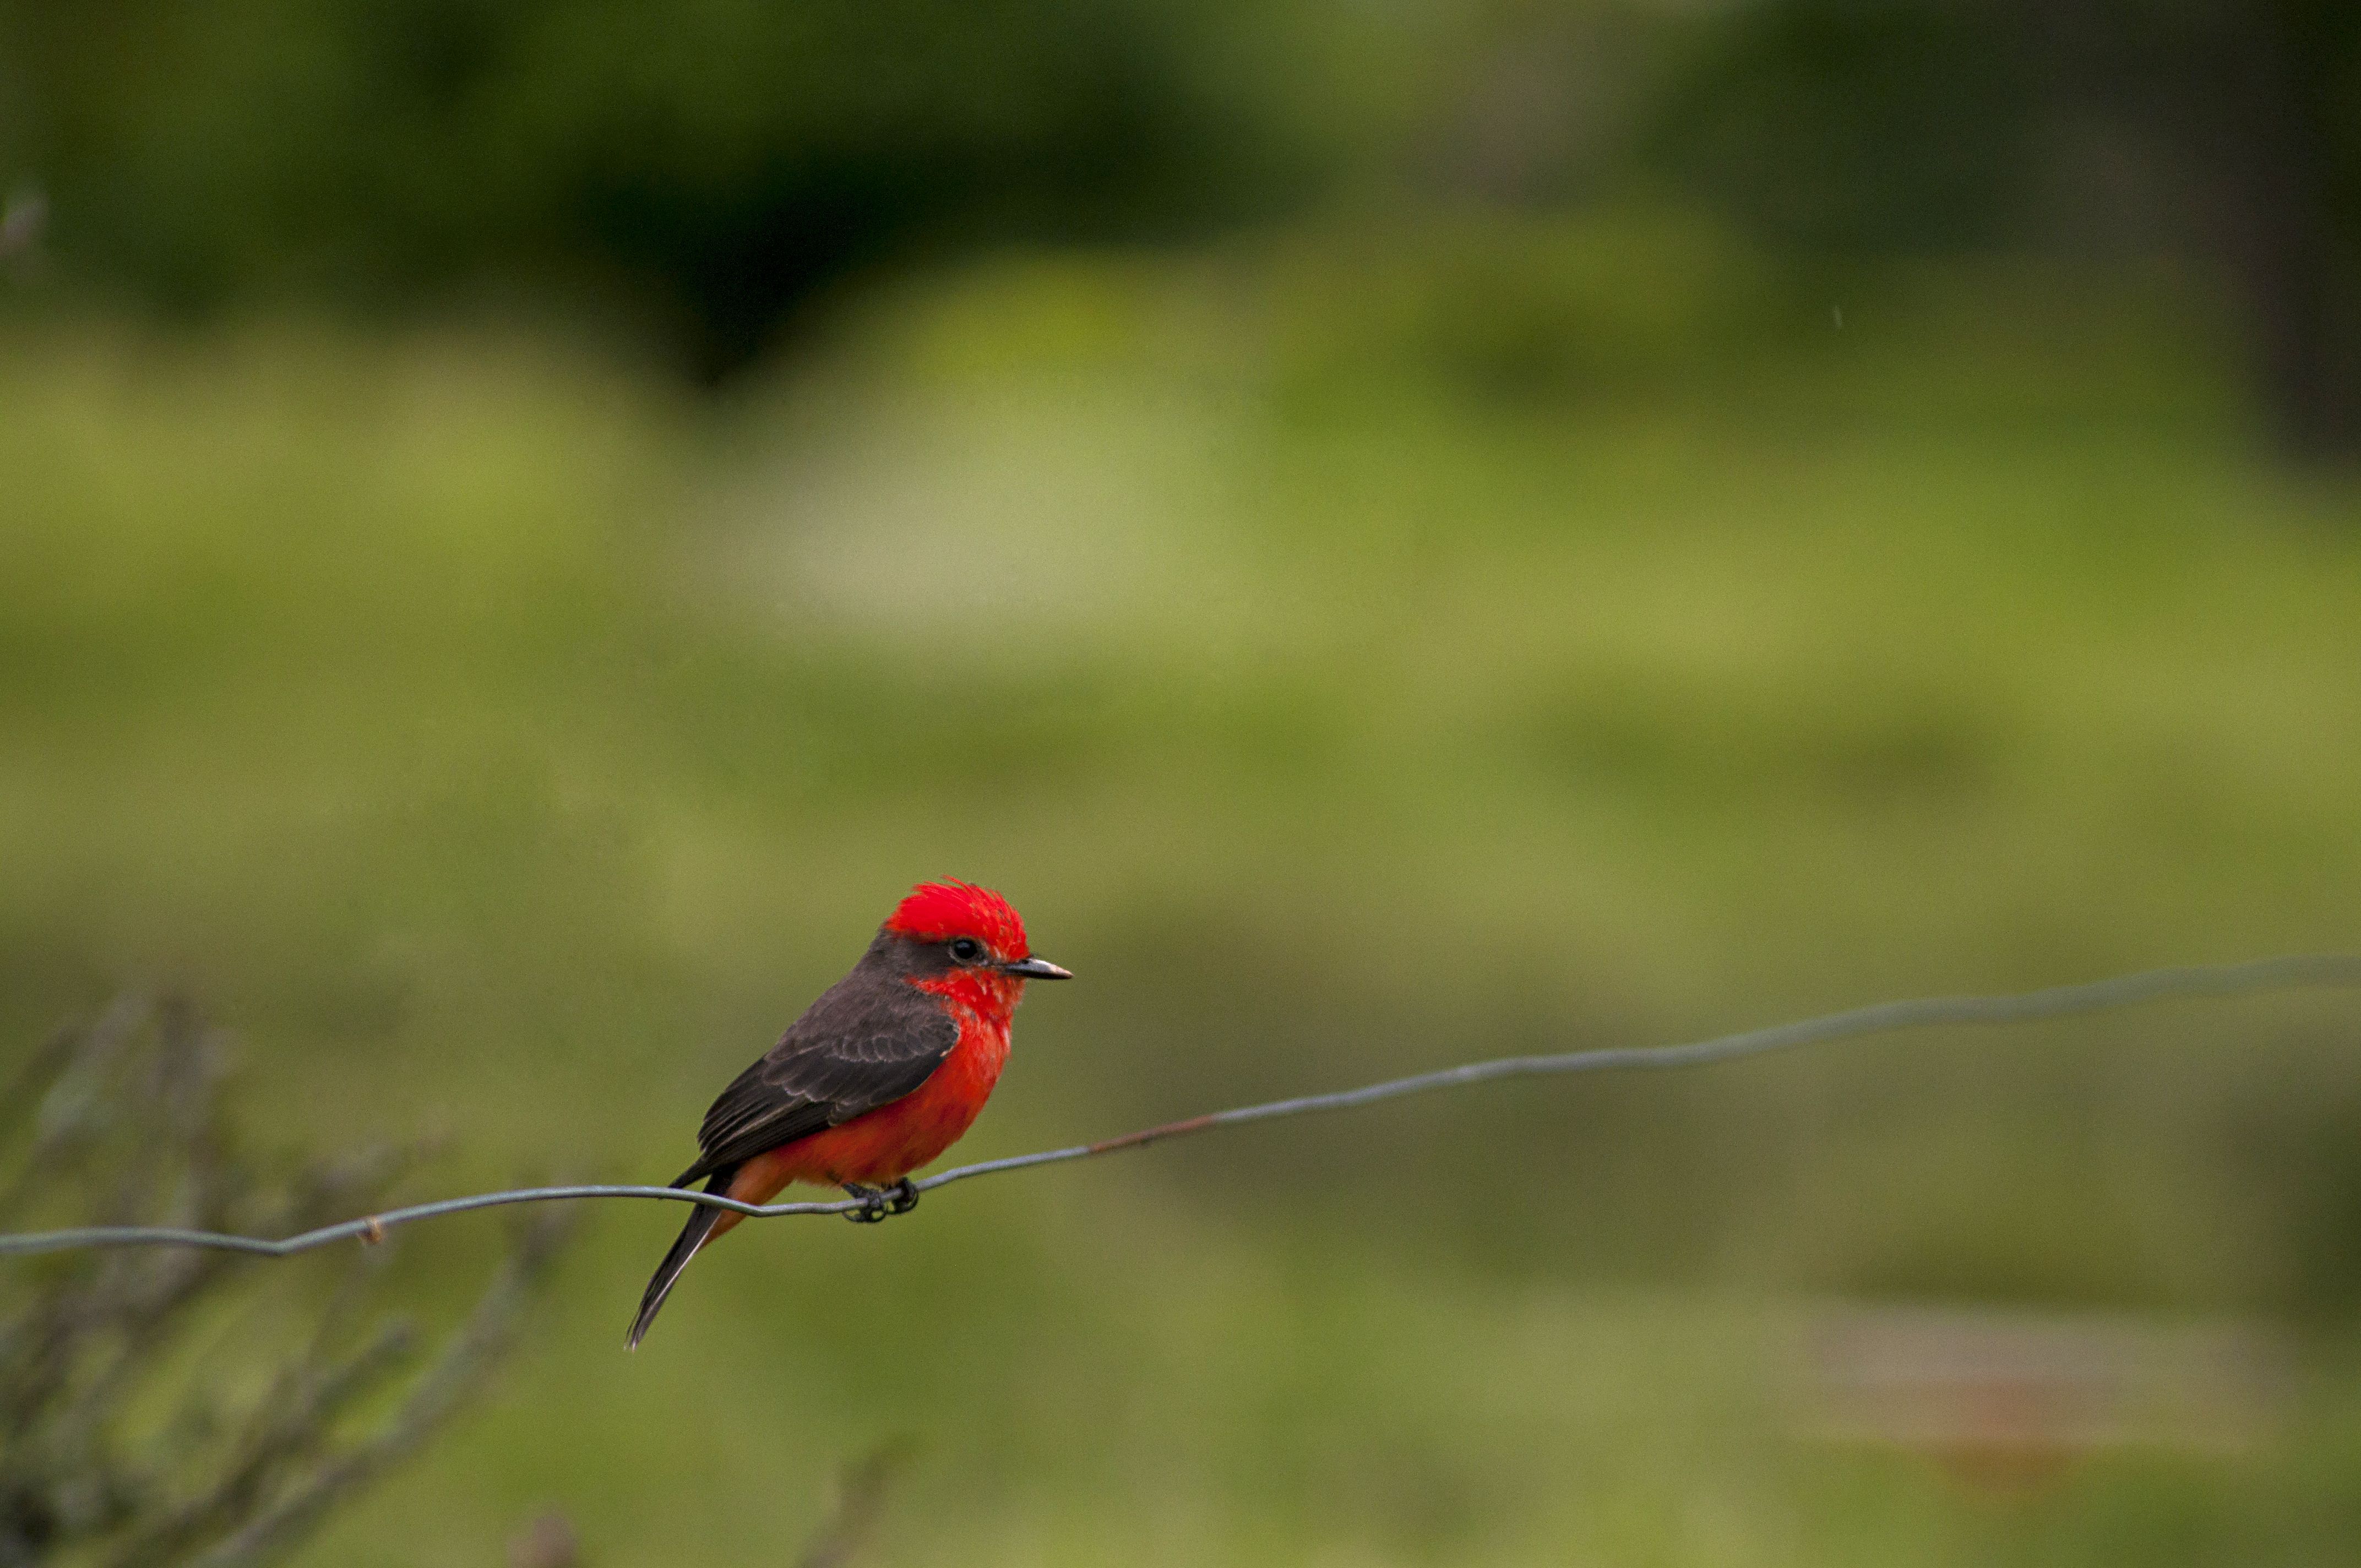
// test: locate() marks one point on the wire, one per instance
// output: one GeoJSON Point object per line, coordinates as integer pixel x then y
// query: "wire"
{"type": "Point", "coordinates": [2065, 1001]}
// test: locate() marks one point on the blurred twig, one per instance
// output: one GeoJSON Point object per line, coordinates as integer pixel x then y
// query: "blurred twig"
{"type": "Point", "coordinates": [470, 1353]}
{"type": "Point", "coordinates": [860, 1498]}
{"type": "Point", "coordinates": [130, 1440]}
{"type": "Point", "coordinates": [2318, 970]}
{"type": "Point", "coordinates": [23, 215]}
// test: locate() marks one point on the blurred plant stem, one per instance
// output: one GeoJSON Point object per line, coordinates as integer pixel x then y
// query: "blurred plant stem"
{"type": "Point", "coordinates": [861, 1491]}
{"type": "Point", "coordinates": [178, 1409]}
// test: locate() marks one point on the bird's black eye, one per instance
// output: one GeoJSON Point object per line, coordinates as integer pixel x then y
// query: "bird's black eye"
{"type": "Point", "coordinates": [967, 949]}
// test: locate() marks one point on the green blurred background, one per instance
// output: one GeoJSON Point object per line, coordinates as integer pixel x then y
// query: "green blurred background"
{"type": "Point", "coordinates": [1397, 533]}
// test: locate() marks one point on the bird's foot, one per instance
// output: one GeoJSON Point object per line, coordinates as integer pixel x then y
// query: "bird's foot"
{"type": "Point", "coordinates": [874, 1205]}
{"type": "Point", "coordinates": [876, 1202]}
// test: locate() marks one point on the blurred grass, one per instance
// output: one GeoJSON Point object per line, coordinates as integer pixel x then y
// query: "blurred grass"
{"type": "Point", "coordinates": [1342, 685]}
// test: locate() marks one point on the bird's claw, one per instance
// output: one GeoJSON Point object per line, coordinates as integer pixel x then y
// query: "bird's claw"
{"type": "Point", "coordinates": [876, 1202]}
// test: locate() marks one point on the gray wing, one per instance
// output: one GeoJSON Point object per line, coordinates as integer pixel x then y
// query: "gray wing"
{"type": "Point", "coordinates": [860, 1046]}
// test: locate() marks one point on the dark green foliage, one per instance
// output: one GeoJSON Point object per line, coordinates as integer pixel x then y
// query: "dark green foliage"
{"type": "Point", "coordinates": [1834, 124]}
{"type": "Point", "coordinates": [2229, 134]}
{"type": "Point", "coordinates": [705, 164]}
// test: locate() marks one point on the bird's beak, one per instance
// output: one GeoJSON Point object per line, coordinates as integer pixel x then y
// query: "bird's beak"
{"type": "Point", "coordinates": [1035, 969]}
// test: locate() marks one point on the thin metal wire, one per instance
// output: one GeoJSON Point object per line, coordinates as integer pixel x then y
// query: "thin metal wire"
{"type": "Point", "coordinates": [2059, 1002]}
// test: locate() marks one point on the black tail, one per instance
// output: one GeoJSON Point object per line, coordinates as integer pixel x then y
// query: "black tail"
{"type": "Point", "coordinates": [701, 1220]}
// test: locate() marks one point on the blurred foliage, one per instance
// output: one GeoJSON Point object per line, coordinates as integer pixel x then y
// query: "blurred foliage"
{"type": "Point", "coordinates": [1508, 311]}
{"type": "Point", "coordinates": [143, 1426]}
{"type": "Point", "coordinates": [2226, 134]}
{"type": "Point", "coordinates": [1833, 125]}
{"type": "Point", "coordinates": [715, 161]}
{"type": "Point", "coordinates": [703, 171]}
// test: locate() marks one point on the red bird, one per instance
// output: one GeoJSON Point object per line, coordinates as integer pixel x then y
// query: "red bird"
{"type": "Point", "coordinates": [878, 1077]}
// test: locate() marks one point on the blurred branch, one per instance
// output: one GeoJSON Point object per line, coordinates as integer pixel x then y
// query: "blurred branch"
{"type": "Point", "coordinates": [432, 1400]}
{"type": "Point", "coordinates": [859, 1500]}
{"type": "Point", "coordinates": [141, 1429]}
{"type": "Point", "coordinates": [23, 216]}
{"type": "Point", "coordinates": [2316, 970]}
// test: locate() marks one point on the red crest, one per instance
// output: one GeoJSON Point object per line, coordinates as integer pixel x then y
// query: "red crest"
{"type": "Point", "coordinates": [939, 911]}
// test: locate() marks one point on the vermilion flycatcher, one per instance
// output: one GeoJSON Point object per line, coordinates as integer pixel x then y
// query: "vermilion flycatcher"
{"type": "Point", "coordinates": [878, 1077]}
